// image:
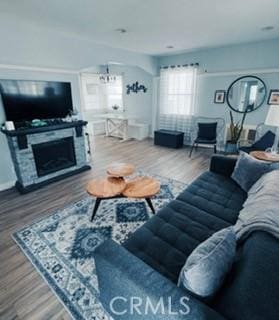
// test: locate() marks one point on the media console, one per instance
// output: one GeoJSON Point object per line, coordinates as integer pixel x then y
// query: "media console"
{"type": "Point", "coordinates": [48, 153]}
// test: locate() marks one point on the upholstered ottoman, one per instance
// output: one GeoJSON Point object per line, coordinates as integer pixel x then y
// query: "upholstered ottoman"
{"type": "Point", "coordinates": [169, 138]}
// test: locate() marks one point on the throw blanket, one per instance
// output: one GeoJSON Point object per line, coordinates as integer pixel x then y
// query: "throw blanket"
{"type": "Point", "coordinates": [261, 209]}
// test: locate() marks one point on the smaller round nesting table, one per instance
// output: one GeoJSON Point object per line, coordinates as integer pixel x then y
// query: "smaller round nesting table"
{"type": "Point", "coordinates": [115, 186]}
{"type": "Point", "coordinates": [120, 170]}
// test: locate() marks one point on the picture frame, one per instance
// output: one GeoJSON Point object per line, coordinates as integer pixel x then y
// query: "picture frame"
{"type": "Point", "coordinates": [219, 96]}
{"type": "Point", "coordinates": [273, 97]}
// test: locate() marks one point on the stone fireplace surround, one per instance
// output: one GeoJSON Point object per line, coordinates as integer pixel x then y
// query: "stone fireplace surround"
{"type": "Point", "coordinates": [21, 143]}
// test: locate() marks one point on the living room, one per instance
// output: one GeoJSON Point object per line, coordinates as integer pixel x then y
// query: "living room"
{"type": "Point", "coordinates": [139, 160]}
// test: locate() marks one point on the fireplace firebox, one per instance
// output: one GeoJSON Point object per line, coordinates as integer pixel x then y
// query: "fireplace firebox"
{"type": "Point", "coordinates": [54, 155]}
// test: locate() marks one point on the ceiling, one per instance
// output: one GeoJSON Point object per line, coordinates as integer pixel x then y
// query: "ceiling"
{"type": "Point", "coordinates": [152, 25]}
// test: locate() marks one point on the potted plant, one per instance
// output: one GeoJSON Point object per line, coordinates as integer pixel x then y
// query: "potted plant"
{"type": "Point", "coordinates": [235, 133]}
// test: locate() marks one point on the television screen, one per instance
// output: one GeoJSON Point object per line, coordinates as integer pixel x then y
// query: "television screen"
{"type": "Point", "coordinates": [26, 100]}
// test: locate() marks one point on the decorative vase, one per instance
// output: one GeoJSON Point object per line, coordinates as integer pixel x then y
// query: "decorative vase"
{"type": "Point", "coordinates": [231, 147]}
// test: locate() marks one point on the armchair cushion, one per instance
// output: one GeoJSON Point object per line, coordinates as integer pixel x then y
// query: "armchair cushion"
{"type": "Point", "coordinates": [265, 141]}
{"type": "Point", "coordinates": [207, 131]}
{"type": "Point", "coordinates": [205, 141]}
{"type": "Point", "coordinates": [247, 149]}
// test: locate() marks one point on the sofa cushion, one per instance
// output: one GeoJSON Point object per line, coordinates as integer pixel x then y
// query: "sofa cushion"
{"type": "Point", "coordinates": [251, 291]}
{"type": "Point", "coordinates": [212, 202]}
{"type": "Point", "coordinates": [207, 266]}
{"type": "Point", "coordinates": [248, 170]}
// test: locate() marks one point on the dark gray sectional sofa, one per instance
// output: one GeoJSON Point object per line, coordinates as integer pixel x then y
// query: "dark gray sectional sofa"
{"type": "Point", "coordinates": [149, 262]}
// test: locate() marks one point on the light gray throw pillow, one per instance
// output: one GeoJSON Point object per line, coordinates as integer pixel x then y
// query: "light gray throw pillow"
{"type": "Point", "coordinates": [207, 266]}
{"type": "Point", "coordinates": [248, 170]}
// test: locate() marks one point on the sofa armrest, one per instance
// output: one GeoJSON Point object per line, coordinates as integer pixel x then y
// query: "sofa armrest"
{"type": "Point", "coordinates": [222, 165]}
{"type": "Point", "coordinates": [130, 289]}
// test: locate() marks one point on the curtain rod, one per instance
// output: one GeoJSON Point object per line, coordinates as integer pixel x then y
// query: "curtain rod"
{"type": "Point", "coordinates": [196, 64]}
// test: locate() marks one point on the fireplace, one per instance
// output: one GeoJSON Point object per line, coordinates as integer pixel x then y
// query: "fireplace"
{"type": "Point", "coordinates": [54, 155]}
{"type": "Point", "coordinates": [43, 155]}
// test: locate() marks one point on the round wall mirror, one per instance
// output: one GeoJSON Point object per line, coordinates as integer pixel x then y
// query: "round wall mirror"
{"type": "Point", "coordinates": [246, 93]}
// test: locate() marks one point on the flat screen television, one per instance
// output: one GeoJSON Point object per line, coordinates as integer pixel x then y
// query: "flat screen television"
{"type": "Point", "coordinates": [26, 100]}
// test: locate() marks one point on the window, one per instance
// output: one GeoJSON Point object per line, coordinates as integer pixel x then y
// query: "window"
{"type": "Point", "coordinates": [114, 93]}
{"type": "Point", "coordinates": [253, 94]}
{"type": "Point", "coordinates": [101, 96]}
{"type": "Point", "coordinates": [91, 92]}
{"type": "Point", "coordinates": [177, 88]}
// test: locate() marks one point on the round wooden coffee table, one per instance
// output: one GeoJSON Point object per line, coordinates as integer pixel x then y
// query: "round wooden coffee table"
{"type": "Point", "coordinates": [265, 156]}
{"type": "Point", "coordinates": [111, 187]}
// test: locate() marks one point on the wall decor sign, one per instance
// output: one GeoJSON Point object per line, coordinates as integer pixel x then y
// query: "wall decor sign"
{"type": "Point", "coordinates": [273, 97]}
{"type": "Point", "coordinates": [219, 96]}
{"type": "Point", "coordinates": [135, 87]}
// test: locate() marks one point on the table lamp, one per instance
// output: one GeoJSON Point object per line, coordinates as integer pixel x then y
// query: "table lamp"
{"type": "Point", "coordinates": [272, 119]}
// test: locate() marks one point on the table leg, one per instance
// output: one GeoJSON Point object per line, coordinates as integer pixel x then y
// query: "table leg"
{"type": "Point", "coordinates": [107, 127]}
{"type": "Point", "coordinates": [125, 130]}
{"type": "Point", "coordinates": [96, 206]}
{"type": "Point", "coordinates": [148, 200]}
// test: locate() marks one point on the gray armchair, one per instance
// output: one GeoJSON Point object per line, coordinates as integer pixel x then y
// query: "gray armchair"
{"type": "Point", "coordinates": [263, 139]}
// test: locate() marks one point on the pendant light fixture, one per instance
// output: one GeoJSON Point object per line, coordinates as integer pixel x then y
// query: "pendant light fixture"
{"type": "Point", "coordinates": [107, 77]}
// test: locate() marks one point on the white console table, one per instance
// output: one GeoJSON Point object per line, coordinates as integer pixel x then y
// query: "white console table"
{"type": "Point", "coordinates": [116, 125]}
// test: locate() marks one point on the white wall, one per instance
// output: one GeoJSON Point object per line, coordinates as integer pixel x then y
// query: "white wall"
{"type": "Point", "coordinates": [224, 65]}
{"type": "Point", "coordinates": [31, 45]}
{"type": "Point", "coordinates": [207, 85]}
{"type": "Point", "coordinates": [261, 55]}
{"type": "Point", "coordinates": [136, 104]}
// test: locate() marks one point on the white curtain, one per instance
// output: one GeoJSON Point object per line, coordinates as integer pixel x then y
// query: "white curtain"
{"type": "Point", "coordinates": [177, 99]}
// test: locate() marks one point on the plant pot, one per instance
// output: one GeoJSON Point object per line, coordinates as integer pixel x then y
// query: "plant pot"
{"type": "Point", "coordinates": [231, 147]}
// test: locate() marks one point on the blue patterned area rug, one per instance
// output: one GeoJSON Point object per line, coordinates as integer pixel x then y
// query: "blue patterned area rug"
{"type": "Point", "coordinates": [61, 246]}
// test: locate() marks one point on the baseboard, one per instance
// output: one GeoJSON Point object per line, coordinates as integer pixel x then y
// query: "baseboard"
{"type": "Point", "coordinates": [7, 185]}
{"type": "Point", "coordinates": [25, 189]}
